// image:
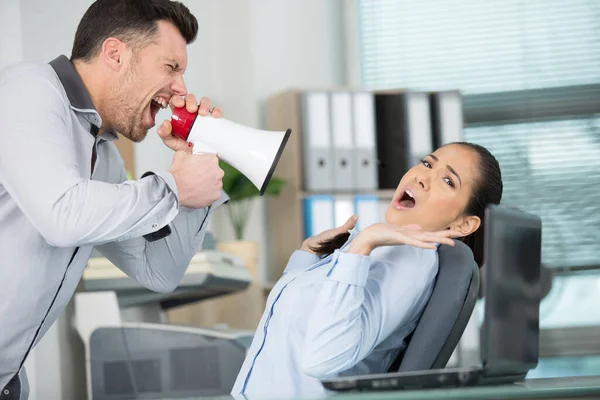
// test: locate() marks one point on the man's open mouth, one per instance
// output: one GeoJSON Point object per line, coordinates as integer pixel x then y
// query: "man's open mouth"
{"type": "Point", "coordinates": [157, 104]}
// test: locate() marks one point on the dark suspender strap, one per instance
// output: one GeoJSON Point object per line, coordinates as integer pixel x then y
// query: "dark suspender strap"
{"type": "Point", "coordinates": [162, 232]}
{"type": "Point", "coordinates": [12, 390]}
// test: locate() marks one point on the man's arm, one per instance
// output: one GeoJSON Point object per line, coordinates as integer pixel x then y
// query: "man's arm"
{"type": "Point", "coordinates": [39, 170]}
{"type": "Point", "coordinates": [159, 265]}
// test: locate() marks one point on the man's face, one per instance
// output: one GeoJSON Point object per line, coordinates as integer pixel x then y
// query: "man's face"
{"type": "Point", "coordinates": [148, 80]}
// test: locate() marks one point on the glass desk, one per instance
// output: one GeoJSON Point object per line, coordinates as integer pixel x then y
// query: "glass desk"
{"type": "Point", "coordinates": [548, 388]}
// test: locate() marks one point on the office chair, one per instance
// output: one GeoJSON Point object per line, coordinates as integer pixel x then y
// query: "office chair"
{"type": "Point", "coordinates": [446, 314]}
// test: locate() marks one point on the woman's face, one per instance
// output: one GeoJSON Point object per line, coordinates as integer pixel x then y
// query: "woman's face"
{"type": "Point", "coordinates": [434, 193]}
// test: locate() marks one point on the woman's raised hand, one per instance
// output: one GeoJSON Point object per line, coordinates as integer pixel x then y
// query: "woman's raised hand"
{"type": "Point", "coordinates": [315, 241]}
{"type": "Point", "coordinates": [383, 234]}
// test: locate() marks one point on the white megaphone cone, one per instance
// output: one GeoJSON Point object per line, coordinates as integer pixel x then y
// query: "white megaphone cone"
{"type": "Point", "coordinates": [253, 152]}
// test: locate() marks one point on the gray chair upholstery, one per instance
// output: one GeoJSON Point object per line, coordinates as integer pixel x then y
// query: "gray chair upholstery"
{"type": "Point", "coordinates": [446, 314]}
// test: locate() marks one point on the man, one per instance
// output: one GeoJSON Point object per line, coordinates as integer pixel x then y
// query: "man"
{"type": "Point", "coordinates": [63, 188]}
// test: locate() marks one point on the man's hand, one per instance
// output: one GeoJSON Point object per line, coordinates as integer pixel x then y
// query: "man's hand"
{"type": "Point", "coordinates": [191, 104]}
{"type": "Point", "coordinates": [198, 177]}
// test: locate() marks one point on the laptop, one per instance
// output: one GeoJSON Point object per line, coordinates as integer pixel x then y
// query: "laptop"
{"type": "Point", "coordinates": [510, 330]}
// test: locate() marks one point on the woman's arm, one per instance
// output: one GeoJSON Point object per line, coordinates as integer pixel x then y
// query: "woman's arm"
{"type": "Point", "coordinates": [362, 303]}
{"type": "Point", "coordinates": [305, 256]}
{"type": "Point", "coordinates": [356, 311]}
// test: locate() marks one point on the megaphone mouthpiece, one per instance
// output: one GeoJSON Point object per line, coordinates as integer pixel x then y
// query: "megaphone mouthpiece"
{"type": "Point", "coordinates": [182, 121]}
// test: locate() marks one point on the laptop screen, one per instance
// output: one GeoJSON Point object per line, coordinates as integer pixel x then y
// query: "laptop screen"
{"type": "Point", "coordinates": [512, 261]}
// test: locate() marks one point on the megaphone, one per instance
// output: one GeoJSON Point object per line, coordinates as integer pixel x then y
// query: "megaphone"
{"type": "Point", "coordinates": [253, 152]}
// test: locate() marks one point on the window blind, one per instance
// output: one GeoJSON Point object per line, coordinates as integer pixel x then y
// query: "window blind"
{"type": "Point", "coordinates": [529, 71]}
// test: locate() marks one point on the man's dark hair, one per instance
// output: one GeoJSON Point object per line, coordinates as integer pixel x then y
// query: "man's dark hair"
{"type": "Point", "coordinates": [132, 21]}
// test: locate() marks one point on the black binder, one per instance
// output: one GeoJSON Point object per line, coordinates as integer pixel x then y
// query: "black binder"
{"type": "Point", "coordinates": [393, 146]}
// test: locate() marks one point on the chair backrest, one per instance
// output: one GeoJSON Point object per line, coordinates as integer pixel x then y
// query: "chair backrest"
{"type": "Point", "coordinates": [446, 314]}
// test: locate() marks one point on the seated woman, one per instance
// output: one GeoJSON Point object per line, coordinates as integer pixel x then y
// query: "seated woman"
{"type": "Point", "coordinates": [347, 300]}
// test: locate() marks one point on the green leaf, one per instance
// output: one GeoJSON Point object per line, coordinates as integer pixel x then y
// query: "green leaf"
{"type": "Point", "coordinates": [239, 187]}
{"type": "Point", "coordinates": [274, 187]}
{"type": "Point", "coordinates": [240, 190]}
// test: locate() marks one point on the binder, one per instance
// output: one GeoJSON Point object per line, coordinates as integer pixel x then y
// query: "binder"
{"type": "Point", "coordinates": [419, 126]}
{"type": "Point", "coordinates": [392, 139]}
{"type": "Point", "coordinates": [316, 141]}
{"type": "Point", "coordinates": [365, 145]}
{"type": "Point", "coordinates": [342, 141]}
{"type": "Point", "coordinates": [403, 131]}
{"type": "Point", "coordinates": [367, 209]}
{"type": "Point", "coordinates": [446, 117]}
{"type": "Point", "coordinates": [318, 214]}
{"type": "Point", "coordinates": [343, 209]}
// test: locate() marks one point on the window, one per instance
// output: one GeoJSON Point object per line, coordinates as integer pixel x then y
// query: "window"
{"type": "Point", "coordinates": [529, 71]}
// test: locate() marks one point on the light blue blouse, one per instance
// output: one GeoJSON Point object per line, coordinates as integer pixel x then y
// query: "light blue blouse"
{"type": "Point", "coordinates": [344, 314]}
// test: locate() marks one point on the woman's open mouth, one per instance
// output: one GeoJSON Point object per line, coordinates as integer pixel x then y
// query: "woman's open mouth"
{"type": "Point", "coordinates": [405, 201]}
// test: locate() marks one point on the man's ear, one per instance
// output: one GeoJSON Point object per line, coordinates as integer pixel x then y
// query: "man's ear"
{"type": "Point", "coordinates": [466, 224]}
{"type": "Point", "coordinates": [112, 53]}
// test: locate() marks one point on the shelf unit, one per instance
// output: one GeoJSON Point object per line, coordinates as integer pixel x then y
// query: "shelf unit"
{"type": "Point", "coordinates": [384, 194]}
{"type": "Point", "coordinates": [284, 213]}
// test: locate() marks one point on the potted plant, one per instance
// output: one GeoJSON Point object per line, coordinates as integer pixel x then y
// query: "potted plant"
{"type": "Point", "coordinates": [242, 195]}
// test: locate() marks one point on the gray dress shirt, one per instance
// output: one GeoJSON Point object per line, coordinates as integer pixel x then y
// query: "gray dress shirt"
{"type": "Point", "coordinates": [54, 211]}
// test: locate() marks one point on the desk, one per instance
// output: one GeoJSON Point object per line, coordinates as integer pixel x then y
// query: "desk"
{"type": "Point", "coordinates": [551, 388]}
{"type": "Point", "coordinates": [210, 274]}
{"type": "Point", "coordinates": [563, 388]}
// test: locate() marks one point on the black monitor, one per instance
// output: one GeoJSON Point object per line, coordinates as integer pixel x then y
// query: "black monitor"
{"type": "Point", "coordinates": [512, 263]}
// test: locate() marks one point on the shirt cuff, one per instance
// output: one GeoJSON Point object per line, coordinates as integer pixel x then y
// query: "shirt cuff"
{"type": "Point", "coordinates": [223, 199]}
{"type": "Point", "coordinates": [351, 269]}
{"type": "Point", "coordinates": [169, 180]}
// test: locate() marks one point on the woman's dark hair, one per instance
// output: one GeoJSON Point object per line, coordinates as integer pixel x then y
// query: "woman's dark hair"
{"type": "Point", "coordinates": [132, 21]}
{"type": "Point", "coordinates": [487, 190]}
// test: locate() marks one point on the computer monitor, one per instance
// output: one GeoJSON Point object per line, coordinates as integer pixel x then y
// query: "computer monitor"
{"type": "Point", "coordinates": [512, 291]}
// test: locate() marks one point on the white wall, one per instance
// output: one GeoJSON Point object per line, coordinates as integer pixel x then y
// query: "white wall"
{"type": "Point", "coordinates": [49, 27]}
{"type": "Point", "coordinates": [10, 32]}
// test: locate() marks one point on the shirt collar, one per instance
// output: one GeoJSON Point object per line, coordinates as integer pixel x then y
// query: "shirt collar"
{"type": "Point", "coordinates": [79, 98]}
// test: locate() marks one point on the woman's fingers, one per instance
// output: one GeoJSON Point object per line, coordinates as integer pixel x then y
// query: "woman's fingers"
{"type": "Point", "coordinates": [413, 227]}
{"type": "Point", "coordinates": [432, 238]}
{"type": "Point", "coordinates": [412, 241]}
{"type": "Point", "coordinates": [417, 229]}
{"type": "Point", "coordinates": [445, 236]}
{"type": "Point", "coordinates": [333, 232]}
{"type": "Point", "coordinates": [440, 238]}
{"type": "Point", "coordinates": [350, 223]}
{"type": "Point", "coordinates": [450, 233]}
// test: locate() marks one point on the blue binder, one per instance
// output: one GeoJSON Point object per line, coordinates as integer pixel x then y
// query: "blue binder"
{"type": "Point", "coordinates": [319, 214]}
